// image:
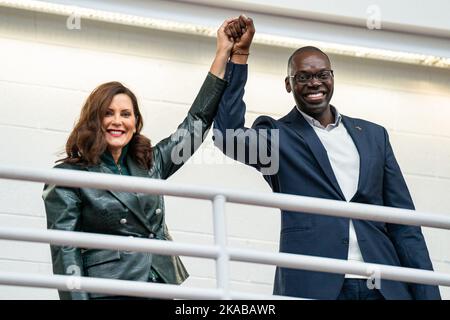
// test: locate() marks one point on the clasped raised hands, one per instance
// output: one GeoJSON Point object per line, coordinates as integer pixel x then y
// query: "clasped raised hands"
{"type": "Point", "coordinates": [241, 30]}
{"type": "Point", "coordinates": [234, 38]}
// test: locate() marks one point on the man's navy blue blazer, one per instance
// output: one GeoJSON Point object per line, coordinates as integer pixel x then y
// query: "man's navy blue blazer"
{"type": "Point", "coordinates": [304, 169]}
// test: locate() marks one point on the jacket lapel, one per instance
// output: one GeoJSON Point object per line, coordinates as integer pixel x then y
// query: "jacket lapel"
{"type": "Point", "coordinates": [315, 145]}
{"type": "Point", "coordinates": [128, 199]}
{"type": "Point", "coordinates": [143, 198]}
{"type": "Point", "coordinates": [357, 133]}
{"type": "Point", "coordinates": [135, 170]}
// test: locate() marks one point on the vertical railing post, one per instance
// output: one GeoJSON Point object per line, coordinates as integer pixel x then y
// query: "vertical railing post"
{"type": "Point", "coordinates": [220, 239]}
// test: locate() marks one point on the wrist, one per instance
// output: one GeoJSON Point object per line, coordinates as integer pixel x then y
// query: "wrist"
{"type": "Point", "coordinates": [238, 51]}
{"type": "Point", "coordinates": [220, 52]}
{"type": "Point", "coordinates": [223, 53]}
{"type": "Point", "coordinates": [239, 58]}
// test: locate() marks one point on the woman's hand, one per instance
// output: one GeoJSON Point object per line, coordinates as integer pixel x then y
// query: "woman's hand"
{"type": "Point", "coordinates": [225, 42]}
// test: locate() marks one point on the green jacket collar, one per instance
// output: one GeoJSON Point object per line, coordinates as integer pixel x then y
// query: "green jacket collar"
{"type": "Point", "coordinates": [121, 166]}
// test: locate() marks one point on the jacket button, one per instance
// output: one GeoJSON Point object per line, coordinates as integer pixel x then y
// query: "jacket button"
{"type": "Point", "coordinates": [123, 221]}
{"type": "Point", "coordinates": [345, 241]}
{"type": "Point", "coordinates": [158, 211]}
{"type": "Point", "coordinates": [151, 235]}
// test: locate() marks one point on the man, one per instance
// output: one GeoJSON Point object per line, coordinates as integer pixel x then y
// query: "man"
{"type": "Point", "coordinates": [324, 154]}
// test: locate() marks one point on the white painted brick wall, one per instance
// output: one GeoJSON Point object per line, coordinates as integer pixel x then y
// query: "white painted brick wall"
{"type": "Point", "coordinates": [46, 72]}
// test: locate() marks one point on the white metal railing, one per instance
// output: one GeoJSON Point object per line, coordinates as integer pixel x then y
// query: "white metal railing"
{"type": "Point", "coordinates": [220, 251]}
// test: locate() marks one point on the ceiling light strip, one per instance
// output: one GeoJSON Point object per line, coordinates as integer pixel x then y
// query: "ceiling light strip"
{"type": "Point", "coordinates": [195, 29]}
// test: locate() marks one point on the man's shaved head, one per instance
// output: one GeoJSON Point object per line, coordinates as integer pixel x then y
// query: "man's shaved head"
{"type": "Point", "coordinates": [303, 50]}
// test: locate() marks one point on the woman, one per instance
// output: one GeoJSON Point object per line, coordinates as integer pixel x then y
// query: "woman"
{"type": "Point", "coordinates": [108, 139]}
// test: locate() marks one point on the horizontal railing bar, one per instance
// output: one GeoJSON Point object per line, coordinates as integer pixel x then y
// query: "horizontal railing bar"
{"type": "Point", "coordinates": [112, 242]}
{"type": "Point", "coordinates": [321, 264]}
{"type": "Point", "coordinates": [234, 295]}
{"type": "Point", "coordinates": [125, 287]}
{"type": "Point", "coordinates": [287, 260]}
{"type": "Point", "coordinates": [327, 207]}
{"type": "Point", "coordinates": [108, 286]}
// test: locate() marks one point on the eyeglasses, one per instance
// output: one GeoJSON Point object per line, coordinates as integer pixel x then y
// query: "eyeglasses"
{"type": "Point", "coordinates": [305, 77]}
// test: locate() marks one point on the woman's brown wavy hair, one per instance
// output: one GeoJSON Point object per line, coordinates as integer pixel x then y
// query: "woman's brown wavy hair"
{"type": "Point", "coordinates": [87, 142]}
